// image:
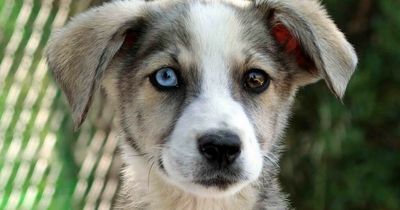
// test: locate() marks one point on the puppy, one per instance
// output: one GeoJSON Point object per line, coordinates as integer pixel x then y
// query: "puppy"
{"type": "Point", "coordinates": [202, 90]}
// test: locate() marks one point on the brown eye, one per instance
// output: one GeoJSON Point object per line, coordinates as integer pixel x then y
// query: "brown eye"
{"type": "Point", "coordinates": [256, 80]}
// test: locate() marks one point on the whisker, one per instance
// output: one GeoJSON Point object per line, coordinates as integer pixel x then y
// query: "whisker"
{"type": "Point", "coordinates": [140, 154]}
{"type": "Point", "coordinates": [274, 161]}
{"type": "Point", "coordinates": [148, 175]}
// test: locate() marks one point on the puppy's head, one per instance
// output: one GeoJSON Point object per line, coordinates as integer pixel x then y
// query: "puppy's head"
{"type": "Point", "coordinates": [203, 88]}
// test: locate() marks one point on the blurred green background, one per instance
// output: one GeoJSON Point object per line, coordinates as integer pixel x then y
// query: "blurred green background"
{"type": "Point", "coordinates": [338, 156]}
{"type": "Point", "coordinates": [348, 156]}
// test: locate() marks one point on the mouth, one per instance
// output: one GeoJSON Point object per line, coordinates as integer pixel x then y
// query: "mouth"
{"type": "Point", "coordinates": [221, 183]}
{"type": "Point", "coordinates": [220, 179]}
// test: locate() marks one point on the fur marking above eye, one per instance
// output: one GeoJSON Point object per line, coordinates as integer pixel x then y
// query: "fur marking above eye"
{"type": "Point", "coordinates": [291, 45]}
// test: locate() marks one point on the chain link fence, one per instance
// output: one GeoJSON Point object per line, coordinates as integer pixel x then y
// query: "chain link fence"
{"type": "Point", "coordinates": [43, 163]}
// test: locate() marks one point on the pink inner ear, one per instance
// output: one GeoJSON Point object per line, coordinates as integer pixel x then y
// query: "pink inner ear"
{"type": "Point", "coordinates": [291, 45]}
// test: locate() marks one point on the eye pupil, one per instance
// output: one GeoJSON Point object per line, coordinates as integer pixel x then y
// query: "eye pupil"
{"type": "Point", "coordinates": [256, 80]}
{"type": "Point", "coordinates": [166, 75]}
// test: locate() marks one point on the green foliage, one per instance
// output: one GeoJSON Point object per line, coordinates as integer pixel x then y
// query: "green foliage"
{"type": "Point", "coordinates": [347, 156]}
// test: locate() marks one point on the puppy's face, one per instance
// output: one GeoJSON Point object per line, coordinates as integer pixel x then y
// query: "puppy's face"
{"type": "Point", "coordinates": [203, 89]}
{"type": "Point", "coordinates": [204, 94]}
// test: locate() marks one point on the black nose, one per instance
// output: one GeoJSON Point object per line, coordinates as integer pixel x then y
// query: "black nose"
{"type": "Point", "coordinates": [220, 148]}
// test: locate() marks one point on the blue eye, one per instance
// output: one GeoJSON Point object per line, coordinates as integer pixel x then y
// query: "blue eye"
{"type": "Point", "coordinates": [165, 79]}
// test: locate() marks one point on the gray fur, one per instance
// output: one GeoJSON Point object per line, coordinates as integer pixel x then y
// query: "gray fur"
{"type": "Point", "coordinates": [80, 53]}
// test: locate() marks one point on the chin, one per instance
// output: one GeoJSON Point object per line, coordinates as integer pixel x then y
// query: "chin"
{"type": "Point", "coordinates": [211, 188]}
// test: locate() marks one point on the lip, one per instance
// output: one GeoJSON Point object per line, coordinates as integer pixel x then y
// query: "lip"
{"type": "Point", "coordinates": [219, 178]}
{"type": "Point", "coordinates": [218, 182]}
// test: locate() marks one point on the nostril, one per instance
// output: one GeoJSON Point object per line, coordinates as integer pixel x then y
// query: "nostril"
{"type": "Point", "coordinates": [210, 151]}
{"type": "Point", "coordinates": [232, 153]}
{"type": "Point", "coordinates": [221, 147]}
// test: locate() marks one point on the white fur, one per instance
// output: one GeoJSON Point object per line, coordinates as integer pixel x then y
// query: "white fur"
{"type": "Point", "coordinates": [214, 109]}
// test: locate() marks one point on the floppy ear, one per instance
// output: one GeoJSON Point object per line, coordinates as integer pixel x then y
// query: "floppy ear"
{"type": "Point", "coordinates": [304, 30]}
{"type": "Point", "coordinates": [80, 53]}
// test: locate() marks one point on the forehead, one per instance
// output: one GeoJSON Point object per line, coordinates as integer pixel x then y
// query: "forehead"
{"type": "Point", "coordinates": [205, 21]}
{"type": "Point", "coordinates": [223, 28]}
{"type": "Point", "coordinates": [214, 36]}
{"type": "Point", "coordinates": [213, 27]}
